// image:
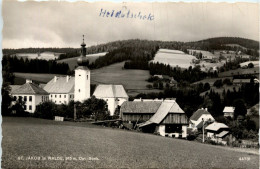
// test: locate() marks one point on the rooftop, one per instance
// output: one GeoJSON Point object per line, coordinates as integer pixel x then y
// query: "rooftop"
{"type": "Point", "coordinates": [110, 91]}
{"type": "Point", "coordinates": [60, 84]}
{"type": "Point", "coordinates": [216, 126]}
{"type": "Point", "coordinates": [198, 114]}
{"type": "Point", "coordinates": [29, 88]}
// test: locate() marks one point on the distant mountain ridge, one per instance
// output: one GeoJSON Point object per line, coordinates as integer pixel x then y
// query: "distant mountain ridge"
{"type": "Point", "coordinates": [206, 44]}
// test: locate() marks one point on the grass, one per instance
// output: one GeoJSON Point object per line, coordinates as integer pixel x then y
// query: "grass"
{"type": "Point", "coordinates": [173, 58]}
{"type": "Point", "coordinates": [133, 80]}
{"type": "Point", "coordinates": [72, 62]}
{"type": "Point", "coordinates": [113, 147]}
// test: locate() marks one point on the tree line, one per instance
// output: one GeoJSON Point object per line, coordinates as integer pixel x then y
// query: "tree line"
{"type": "Point", "coordinates": [13, 64]}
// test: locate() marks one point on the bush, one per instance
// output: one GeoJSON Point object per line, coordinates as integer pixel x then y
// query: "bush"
{"type": "Point", "coordinates": [46, 110]}
{"type": "Point", "coordinates": [218, 83]}
{"type": "Point", "coordinates": [250, 65]}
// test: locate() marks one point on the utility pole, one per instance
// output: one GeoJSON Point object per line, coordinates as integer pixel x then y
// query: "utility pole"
{"type": "Point", "coordinates": [75, 112]}
{"type": "Point", "coordinates": [203, 139]}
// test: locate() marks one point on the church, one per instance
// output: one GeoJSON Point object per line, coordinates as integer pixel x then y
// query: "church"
{"type": "Point", "coordinates": [62, 89]}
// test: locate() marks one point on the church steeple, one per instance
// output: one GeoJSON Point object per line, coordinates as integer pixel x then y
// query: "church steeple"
{"type": "Point", "coordinates": [82, 60]}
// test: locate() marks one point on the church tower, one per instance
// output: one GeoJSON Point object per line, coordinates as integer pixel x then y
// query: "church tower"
{"type": "Point", "coordinates": [82, 77]}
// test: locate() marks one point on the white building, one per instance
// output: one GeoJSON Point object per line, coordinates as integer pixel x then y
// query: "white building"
{"type": "Point", "coordinates": [60, 89]}
{"type": "Point", "coordinates": [31, 94]}
{"type": "Point", "coordinates": [199, 117]}
{"type": "Point", "coordinates": [82, 84]}
{"type": "Point", "coordinates": [217, 132]}
{"type": "Point", "coordinates": [114, 95]}
{"type": "Point", "coordinates": [229, 111]}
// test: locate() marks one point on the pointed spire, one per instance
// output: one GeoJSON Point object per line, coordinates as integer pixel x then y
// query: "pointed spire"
{"type": "Point", "coordinates": [82, 59]}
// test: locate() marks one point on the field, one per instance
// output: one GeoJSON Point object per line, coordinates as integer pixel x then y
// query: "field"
{"type": "Point", "coordinates": [134, 81]}
{"type": "Point", "coordinates": [98, 147]}
{"type": "Point", "coordinates": [173, 58]}
{"type": "Point", "coordinates": [205, 54]}
{"type": "Point", "coordinates": [72, 62]}
{"type": "Point", "coordinates": [240, 71]}
{"type": "Point", "coordinates": [256, 63]}
{"type": "Point", "coordinates": [43, 55]}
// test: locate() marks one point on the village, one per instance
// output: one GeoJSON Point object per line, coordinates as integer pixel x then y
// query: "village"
{"type": "Point", "coordinates": [163, 116]}
{"type": "Point", "coordinates": [130, 85]}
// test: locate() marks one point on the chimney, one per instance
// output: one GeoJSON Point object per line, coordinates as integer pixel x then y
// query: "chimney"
{"type": "Point", "coordinates": [67, 78]}
{"type": "Point", "coordinates": [206, 109]}
{"type": "Point", "coordinates": [28, 81]}
{"type": "Point", "coordinates": [55, 78]}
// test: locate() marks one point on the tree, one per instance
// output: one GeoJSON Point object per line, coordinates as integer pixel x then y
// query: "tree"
{"type": "Point", "coordinates": [149, 86]}
{"type": "Point", "coordinates": [160, 85]}
{"type": "Point", "coordinates": [96, 108]}
{"type": "Point", "coordinates": [6, 99]}
{"type": "Point", "coordinates": [46, 110]}
{"type": "Point", "coordinates": [240, 108]}
{"type": "Point", "coordinates": [218, 83]}
{"type": "Point", "coordinates": [155, 85]}
{"type": "Point", "coordinates": [250, 65]}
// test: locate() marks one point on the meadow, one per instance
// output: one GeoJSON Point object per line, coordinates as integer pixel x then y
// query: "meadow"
{"type": "Point", "coordinates": [72, 62]}
{"type": "Point", "coordinates": [43, 55]}
{"type": "Point", "coordinates": [83, 145]}
{"type": "Point", "coordinates": [173, 58]}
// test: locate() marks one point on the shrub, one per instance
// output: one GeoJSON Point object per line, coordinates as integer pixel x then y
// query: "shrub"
{"type": "Point", "coordinates": [46, 110]}
{"type": "Point", "coordinates": [250, 65]}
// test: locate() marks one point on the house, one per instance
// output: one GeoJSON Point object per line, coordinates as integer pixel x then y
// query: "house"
{"type": "Point", "coordinates": [217, 132]}
{"type": "Point", "coordinates": [61, 89]}
{"type": "Point", "coordinates": [229, 111]}
{"type": "Point", "coordinates": [165, 118]}
{"type": "Point", "coordinates": [241, 81]}
{"type": "Point", "coordinates": [31, 94]}
{"type": "Point", "coordinates": [199, 117]}
{"type": "Point", "coordinates": [114, 95]}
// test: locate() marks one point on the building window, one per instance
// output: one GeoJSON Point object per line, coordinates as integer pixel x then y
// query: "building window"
{"type": "Point", "coordinates": [15, 98]}
{"type": "Point", "coordinates": [42, 98]}
{"type": "Point", "coordinates": [24, 107]}
{"type": "Point", "coordinates": [65, 96]}
{"type": "Point", "coordinates": [55, 95]}
{"type": "Point", "coordinates": [79, 90]}
{"type": "Point", "coordinates": [30, 98]}
{"type": "Point", "coordinates": [70, 96]}
{"type": "Point", "coordinates": [55, 101]}
{"type": "Point", "coordinates": [60, 101]}
{"type": "Point", "coordinates": [79, 75]}
{"type": "Point", "coordinates": [51, 95]}
{"type": "Point", "coordinates": [65, 102]}
{"type": "Point", "coordinates": [25, 98]}
{"type": "Point", "coordinates": [30, 107]}
{"type": "Point", "coordinates": [60, 96]}
{"type": "Point", "coordinates": [87, 77]}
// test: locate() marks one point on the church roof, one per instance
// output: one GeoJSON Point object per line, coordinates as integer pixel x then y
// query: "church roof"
{"type": "Point", "coordinates": [61, 85]}
{"type": "Point", "coordinates": [110, 91]}
{"type": "Point", "coordinates": [29, 88]}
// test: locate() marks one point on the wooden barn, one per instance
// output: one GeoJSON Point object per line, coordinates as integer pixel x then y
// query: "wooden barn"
{"type": "Point", "coordinates": [165, 117]}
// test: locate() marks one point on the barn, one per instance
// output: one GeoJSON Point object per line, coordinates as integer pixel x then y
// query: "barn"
{"type": "Point", "coordinates": [163, 117]}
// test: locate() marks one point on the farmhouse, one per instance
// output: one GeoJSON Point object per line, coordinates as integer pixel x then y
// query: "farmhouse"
{"type": "Point", "coordinates": [163, 117]}
{"type": "Point", "coordinates": [241, 81]}
{"type": "Point", "coordinates": [31, 94]}
{"type": "Point", "coordinates": [229, 111]}
{"type": "Point", "coordinates": [114, 95]}
{"type": "Point", "coordinates": [217, 131]}
{"type": "Point", "coordinates": [199, 117]}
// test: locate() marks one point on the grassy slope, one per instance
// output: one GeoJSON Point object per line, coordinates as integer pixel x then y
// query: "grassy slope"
{"type": "Point", "coordinates": [133, 80]}
{"type": "Point", "coordinates": [113, 147]}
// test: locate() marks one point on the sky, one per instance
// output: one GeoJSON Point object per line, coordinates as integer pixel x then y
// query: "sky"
{"type": "Point", "coordinates": [62, 24]}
